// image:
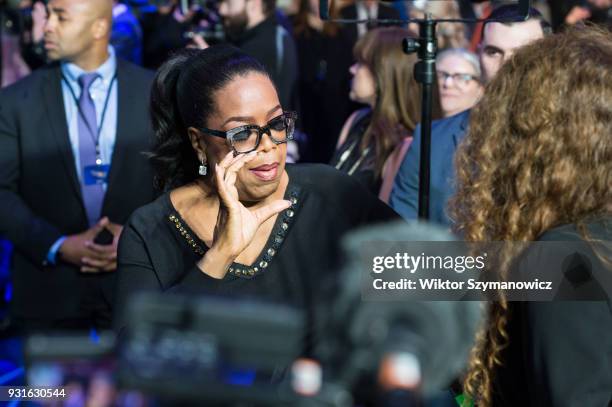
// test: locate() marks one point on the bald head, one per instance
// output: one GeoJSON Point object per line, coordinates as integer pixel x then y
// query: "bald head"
{"type": "Point", "coordinates": [92, 10]}
{"type": "Point", "coordinates": [78, 30]}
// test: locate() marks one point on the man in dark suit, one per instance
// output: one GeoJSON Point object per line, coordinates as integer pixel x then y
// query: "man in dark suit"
{"type": "Point", "coordinates": [71, 166]}
{"type": "Point", "coordinates": [499, 41]}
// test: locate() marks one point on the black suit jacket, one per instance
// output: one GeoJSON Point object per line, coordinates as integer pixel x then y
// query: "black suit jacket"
{"type": "Point", "coordinates": [40, 196]}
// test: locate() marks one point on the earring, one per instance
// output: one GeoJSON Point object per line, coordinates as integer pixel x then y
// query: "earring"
{"type": "Point", "coordinates": [202, 170]}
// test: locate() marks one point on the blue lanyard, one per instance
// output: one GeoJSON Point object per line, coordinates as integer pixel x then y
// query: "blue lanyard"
{"type": "Point", "coordinates": [76, 102]}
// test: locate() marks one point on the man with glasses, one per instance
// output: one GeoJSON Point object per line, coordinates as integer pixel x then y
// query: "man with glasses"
{"type": "Point", "coordinates": [499, 41]}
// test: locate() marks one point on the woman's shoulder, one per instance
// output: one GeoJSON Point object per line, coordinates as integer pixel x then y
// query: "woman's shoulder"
{"type": "Point", "coordinates": [149, 216]}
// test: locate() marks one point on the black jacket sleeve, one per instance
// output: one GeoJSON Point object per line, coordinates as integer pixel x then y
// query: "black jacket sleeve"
{"type": "Point", "coordinates": [32, 235]}
{"type": "Point", "coordinates": [139, 272]}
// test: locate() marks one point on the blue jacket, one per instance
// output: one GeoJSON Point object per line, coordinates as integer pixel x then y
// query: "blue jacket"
{"type": "Point", "coordinates": [446, 134]}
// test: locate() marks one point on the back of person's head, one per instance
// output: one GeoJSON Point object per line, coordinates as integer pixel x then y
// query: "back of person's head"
{"type": "Point", "coordinates": [398, 102]}
{"type": "Point", "coordinates": [182, 97]}
{"type": "Point", "coordinates": [538, 155]}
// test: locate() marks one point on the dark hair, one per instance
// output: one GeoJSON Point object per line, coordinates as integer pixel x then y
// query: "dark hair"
{"type": "Point", "coordinates": [269, 6]}
{"type": "Point", "coordinates": [183, 96]}
{"type": "Point", "coordinates": [510, 14]}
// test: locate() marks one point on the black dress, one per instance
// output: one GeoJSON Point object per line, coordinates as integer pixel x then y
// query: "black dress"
{"type": "Point", "coordinates": [358, 163]}
{"type": "Point", "coordinates": [158, 251]}
{"type": "Point", "coordinates": [560, 352]}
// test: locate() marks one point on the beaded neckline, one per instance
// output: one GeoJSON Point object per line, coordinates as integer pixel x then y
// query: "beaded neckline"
{"type": "Point", "coordinates": [277, 237]}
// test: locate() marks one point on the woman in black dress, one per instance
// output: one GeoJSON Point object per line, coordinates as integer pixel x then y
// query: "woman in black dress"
{"type": "Point", "coordinates": [235, 220]}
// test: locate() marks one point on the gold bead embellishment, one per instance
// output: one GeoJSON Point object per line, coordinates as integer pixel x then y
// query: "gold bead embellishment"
{"type": "Point", "coordinates": [190, 240]}
{"type": "Point", "coordinates": [236, 269]}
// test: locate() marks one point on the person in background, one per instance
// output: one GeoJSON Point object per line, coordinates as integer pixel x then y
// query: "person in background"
{"type": "Point", "coordinates": [459, 80]}
{"type": "Point", "coordinates": [72, 170]}
{"type": "Point", "coordinates": [499, 41]}
{"type": "Point", "coordinates": [235, 220]}
{"type": "Point", "coordinates": [570, 12]}
{"type": "Point", "coordinates": [324, 57]}
{"type": "Point", "coordinates": [383, 80]}
{"type": "Point", "coordinates": [27, 33]}
{"type": "Point", "coordinates": [537, 165]}
{"type": "Point", "coordinates": [251, 25]}
{"type": "Point", "coordinates": [163, 32]}
{"type": "Point", "coordinates": [362, 10]}
{"type": "Point", "coordinates": [448, 35]}
{"type": "Point", "coordinates": [126, 36]}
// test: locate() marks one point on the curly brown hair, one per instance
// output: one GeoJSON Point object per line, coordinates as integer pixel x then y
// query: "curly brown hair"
{"type": "Point", "coordinates": [538, 154]}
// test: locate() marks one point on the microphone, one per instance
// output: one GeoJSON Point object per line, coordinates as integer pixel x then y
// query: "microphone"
{"type": "Point", "coordinates": [427, 340]}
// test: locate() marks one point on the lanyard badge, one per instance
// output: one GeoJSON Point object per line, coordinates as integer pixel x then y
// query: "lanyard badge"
{"type": "Point", "coordinates": [95, 174]}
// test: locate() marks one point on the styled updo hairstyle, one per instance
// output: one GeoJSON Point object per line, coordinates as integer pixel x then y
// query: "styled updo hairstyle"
{"type": "Point", "coordinates": [183, 96]}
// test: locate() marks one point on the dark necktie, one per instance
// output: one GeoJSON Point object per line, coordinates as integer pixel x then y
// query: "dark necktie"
{"type": "Point", "coordinates": [93, 195]}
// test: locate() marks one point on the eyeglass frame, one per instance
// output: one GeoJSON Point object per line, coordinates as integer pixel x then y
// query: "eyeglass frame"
{"type": "Point", "coordinates": [443, 75]}
{"type": "Point", "coordinates": [229, 135]}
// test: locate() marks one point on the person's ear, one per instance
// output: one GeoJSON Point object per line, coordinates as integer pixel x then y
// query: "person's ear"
{"type": "Point", "coordinates": [197, 143]}
{"type": "Point", "coordinates": [101, 28]}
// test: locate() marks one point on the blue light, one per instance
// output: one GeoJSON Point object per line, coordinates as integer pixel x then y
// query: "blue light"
{"type": "Point", "coordinates": [93, 335]}
{"type": "Point", "coordinates": [7, 377]}
{"type": "Point", "coordinates": [240, 377]}
{"type": "Point", "coordinates": [8, 292]}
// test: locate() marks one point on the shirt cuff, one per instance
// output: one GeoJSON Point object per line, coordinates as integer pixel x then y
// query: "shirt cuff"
{"type": "Point", "coordinates": [52, 254]}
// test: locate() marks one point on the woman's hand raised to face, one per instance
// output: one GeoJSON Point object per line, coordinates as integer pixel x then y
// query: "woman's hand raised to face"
{"type": "Point", "coordinates": [236, 225]}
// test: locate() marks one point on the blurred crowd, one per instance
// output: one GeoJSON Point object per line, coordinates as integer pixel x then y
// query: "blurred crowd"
{"type": "Point", "coordinates": [312, 61]}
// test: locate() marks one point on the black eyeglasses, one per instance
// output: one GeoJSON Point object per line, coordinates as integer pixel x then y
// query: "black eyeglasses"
{"type": "Point", "coordinates": [461, 79]}
{"type": "Point", "coordinates": [245, 139]}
